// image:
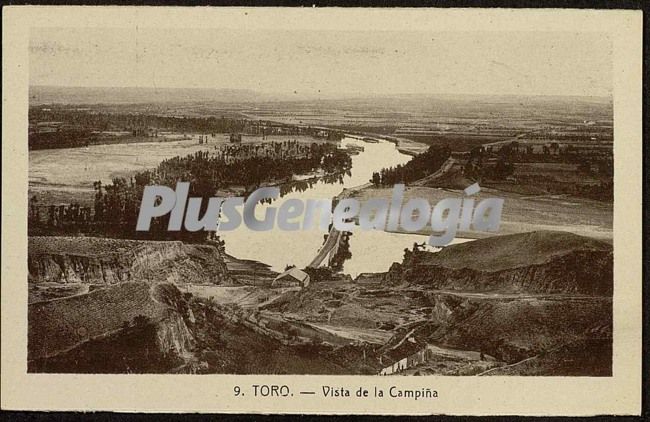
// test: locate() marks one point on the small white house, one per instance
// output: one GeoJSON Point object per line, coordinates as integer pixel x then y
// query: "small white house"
{"type": "Point", "coordinates": [292, 277]}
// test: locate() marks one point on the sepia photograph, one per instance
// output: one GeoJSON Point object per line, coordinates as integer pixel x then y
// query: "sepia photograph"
{"type": "Point", "coordinates": [231, 111]}
{"type": "Point", "coordinates": [274, 199]}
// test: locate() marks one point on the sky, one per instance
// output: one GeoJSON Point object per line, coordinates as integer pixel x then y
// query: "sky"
{"type": "Point", "coordinates": [324, 62]}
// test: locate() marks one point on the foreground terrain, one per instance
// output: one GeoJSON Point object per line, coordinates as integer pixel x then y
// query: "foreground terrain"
{"type": "Point", "coordinates": [528, 304]}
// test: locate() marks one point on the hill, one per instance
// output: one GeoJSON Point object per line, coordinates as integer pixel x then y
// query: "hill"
{"type": "Point", "coordinates": [543, 262]}
{"type": "Point", "coordinates": [57, 260]}
{"type": "Point", "coordinates": [513, 251]}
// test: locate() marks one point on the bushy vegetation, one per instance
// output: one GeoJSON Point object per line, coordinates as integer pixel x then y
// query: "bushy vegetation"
{"type": "Point", "coordinates": [116, 205]}
{"type": "Point", "coordinates": [420, 166]}
{"type": "Point", "coordinates": [66, 138]}
{"type": "Point", "coordinates": [593, 168]}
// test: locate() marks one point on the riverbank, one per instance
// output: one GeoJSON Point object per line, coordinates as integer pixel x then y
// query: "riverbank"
{"type": "Point", "coordinates": [404, 145]}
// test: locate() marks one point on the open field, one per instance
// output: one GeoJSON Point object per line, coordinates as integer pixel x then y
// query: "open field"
{"type": "Point", "coordinates": [521, 213]}
{"type": "Point", "coordinates": [461, 122]}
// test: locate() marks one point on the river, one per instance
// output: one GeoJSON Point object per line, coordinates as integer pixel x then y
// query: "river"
{"type": "Point", "coordinates": [74, 169]}
{"type": "Point", "coordinates": [372, 251]}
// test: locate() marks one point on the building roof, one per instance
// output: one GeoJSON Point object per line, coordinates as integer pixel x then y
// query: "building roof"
{"type": "Point", "coordinates": [294, 272]}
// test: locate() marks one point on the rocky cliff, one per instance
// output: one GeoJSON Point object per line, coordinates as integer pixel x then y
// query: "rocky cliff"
{"type": "Point", "coordinates": [108, 261]}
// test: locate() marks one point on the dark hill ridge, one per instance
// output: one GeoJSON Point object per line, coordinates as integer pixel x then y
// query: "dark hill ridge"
{"type": "Point", "coordinates": [513, 251]}
{"type": "Point", "coordinates": [544, 262]}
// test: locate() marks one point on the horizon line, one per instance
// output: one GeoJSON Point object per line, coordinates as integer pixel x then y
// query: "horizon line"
{"type": "Point", "coordinates": [338, 95]}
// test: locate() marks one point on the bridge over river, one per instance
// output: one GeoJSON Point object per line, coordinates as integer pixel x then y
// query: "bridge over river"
{"type": "Point", "coordinates": [330, 247]}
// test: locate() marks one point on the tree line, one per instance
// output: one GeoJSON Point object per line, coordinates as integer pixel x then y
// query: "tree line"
{"type": "Point", "coordinates": [78, 128]}
{"type": "Point", "coordinates": [117, 204]}
{"type": "Point", "coordinates": [420, 166]}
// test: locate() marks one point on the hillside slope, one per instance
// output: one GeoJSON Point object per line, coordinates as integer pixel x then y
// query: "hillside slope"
{"type": "Point", "coordinates": [60, 325]}
{"type": "Point", "coordinates": [516, 250]}
{"type": "Point", "coordinates": [536, 262]}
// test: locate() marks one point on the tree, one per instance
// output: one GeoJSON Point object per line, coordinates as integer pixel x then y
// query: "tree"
{"type": "Point", "coordinates": [376, 178]}
{"type": "Point", "coordinates": [502, 169]}
{"type": "Point", "coordinates": [420, 166]}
